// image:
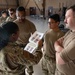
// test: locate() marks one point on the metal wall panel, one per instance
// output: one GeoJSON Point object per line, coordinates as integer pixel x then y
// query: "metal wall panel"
{"type": "Point", "coordinates": [4, 4]}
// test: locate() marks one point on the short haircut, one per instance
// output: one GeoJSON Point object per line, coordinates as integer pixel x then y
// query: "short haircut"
{"type": "Point", "coordinates": [3, 12]}
{"type": "Point", "coordinates": [72, 7]}
{"type": "Point", "coordinates": [20, 8]}
{"type": "Point", "coordinates": [55, 17]}
{"type": "Point", "coordinates": [4, 38]}
{"type": "Point", "coordinates": [6, 30]}
{"type": "Point", "coordinates": [11, 9]}
{"type": "Point", "coordinates": [10, 27]}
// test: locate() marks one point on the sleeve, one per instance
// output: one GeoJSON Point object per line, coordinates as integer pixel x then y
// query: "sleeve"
{"type": "Point", "coordinates": [27, 58]}
{"type": "Point", "coordinates": [68, 53]}
{"type": "Point", "coordinates": [33, 28]}
{"type": "Point", "coordinates": [34, 59]}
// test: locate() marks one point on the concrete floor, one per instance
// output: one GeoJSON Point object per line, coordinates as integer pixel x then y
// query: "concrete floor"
{"type": "Point", "coordinates": [41, 24]}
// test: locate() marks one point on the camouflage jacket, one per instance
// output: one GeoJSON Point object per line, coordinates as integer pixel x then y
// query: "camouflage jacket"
{"type": "Point", "coordinates": [14, 60]}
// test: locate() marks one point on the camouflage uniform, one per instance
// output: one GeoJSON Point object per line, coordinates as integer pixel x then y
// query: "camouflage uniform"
{"type": "Point", "coordinates": [2, 20]}
{"type": "Point", "coordinates": [10, 19]}
{"type": "Point", "coordinates": [14, 60]}
{"type": "Point", "coordinates": [26, 29]}
{"type": "Point", "coordinates": [48, 61]}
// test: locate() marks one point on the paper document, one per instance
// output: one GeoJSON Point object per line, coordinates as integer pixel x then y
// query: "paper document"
{"type": "Point", "coordinates": [33, 42]}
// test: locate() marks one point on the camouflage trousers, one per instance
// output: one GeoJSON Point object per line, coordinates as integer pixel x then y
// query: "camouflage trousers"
{"type": "Point", "coordinates": [11, 73]}
{"type": "Point", "coordinates": [30, 70]}
{"type": "Point", "coordinates": [48, 66]}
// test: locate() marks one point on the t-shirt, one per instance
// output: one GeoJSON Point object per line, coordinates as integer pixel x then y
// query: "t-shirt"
{"type": "Point", "coordinates": [26, 29]}
{"type": "Point", "coordinates": [68, 54]}
{"type": "Point", "coordinates": [49, 40]}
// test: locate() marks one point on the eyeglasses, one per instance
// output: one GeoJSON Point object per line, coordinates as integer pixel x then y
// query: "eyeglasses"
{"type": "Point", "coordinates": [51, 22]}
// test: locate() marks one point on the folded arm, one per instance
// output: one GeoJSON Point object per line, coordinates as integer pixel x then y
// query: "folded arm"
{"type": "Point", "coordinates": [59, 47]}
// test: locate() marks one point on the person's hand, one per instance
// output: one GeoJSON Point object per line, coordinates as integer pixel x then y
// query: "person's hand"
{"type": "Point", "coordinates": [40, 44]}
{"type": "Point", "coordinates": [60, 41]}
{"type": "Point", "coordinates": [58, 45]}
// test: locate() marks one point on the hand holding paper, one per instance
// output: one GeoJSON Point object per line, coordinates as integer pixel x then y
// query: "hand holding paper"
{"type": "Point", "coordinates": [33, 42]}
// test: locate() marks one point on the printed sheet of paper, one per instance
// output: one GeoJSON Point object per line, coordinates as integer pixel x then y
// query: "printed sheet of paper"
{"type": "Point", "coordinates": [33, 42]}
